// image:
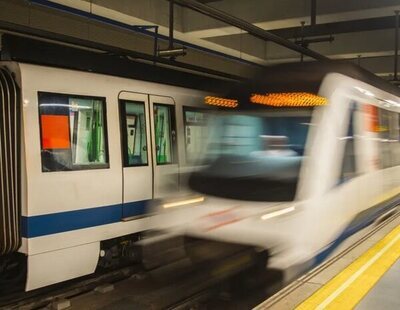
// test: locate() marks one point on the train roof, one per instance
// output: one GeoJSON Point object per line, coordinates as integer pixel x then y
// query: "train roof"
{"type": "Point", "coordinates": [301, 77]}
{"type": "Point", "coordinates": [307, 76]}
{"type": "Point", "coordinates": [34, 51]}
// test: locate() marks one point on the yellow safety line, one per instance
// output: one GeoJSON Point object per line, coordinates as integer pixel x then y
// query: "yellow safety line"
{"type": "Point", "coordinates": [347, 288]}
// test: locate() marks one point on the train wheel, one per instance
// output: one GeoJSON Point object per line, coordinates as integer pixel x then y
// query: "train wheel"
{"type": "Point", "coordinates": [12, 273]}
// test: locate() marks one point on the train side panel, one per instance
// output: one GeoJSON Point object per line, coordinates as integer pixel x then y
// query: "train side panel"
{"type": "Point", "coordinates": [70, 212]}
{"type": "Point", "coordinates": [345, 180]}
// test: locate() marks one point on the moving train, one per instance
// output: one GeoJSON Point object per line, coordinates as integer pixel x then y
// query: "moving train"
{"type": "Point", "coordinates": [308, 155]}
{"type": "Point", "coordinates": [83, 153]}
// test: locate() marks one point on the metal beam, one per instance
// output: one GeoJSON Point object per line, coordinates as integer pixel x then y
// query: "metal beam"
{"type": "Point", "coordinates": [248, 27]}
{"type": "Point", "coordinates": [171, 25]}
{"type": "Point", "coordinates": [112, 22]}
{"type": "Point", "coordinates": [313, 12]}
{"type": "Point", "coordinates": [359, 25]}
{"type": "Point", "coordinates": [13, 28]}
{"type": "Point", "coordinates": [396, 45]}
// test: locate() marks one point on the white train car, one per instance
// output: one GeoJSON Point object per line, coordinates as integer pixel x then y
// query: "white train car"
{"type": "Point", "coordinates": [81, 156]}
{"type": "Point", "coordinates": [318, 162]}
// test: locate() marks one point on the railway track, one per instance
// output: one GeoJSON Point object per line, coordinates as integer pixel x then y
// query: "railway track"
{"type": "Point", "coordinates": [179, 285]}
{"type": "Point", "coordinates": [44, 297]}
{"type": "Point", "coordinates": [211, 284]}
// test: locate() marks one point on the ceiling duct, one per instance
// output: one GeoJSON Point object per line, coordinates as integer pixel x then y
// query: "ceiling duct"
{"type": "Point", "coordinates": [248, 27]}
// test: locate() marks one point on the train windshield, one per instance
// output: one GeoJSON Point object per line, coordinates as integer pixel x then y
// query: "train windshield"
{"type": "Point", "coordinates": [252, 157]}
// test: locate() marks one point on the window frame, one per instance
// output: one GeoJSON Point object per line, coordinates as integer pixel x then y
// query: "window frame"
{"type": "Point", "coordinates": [174, 142]}
{"type": "Point", "coordinates": [103, 101]}
{"type": "Point", "coordinates": [351, 132]}
{"type": "Point", "coordinates": [185, 123]}
{"type": "Point", "coordinates": [124, 137]}
{"type": "Point", "coordinates": [387, 142]}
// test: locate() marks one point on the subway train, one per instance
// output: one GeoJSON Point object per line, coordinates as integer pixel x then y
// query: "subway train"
{"type": "Point", "coordinates": [82, 154]}
{"type": "Point", "coordinates": [308, 155]}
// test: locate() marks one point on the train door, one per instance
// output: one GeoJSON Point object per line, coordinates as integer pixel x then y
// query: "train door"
{"type": "Point", "coordinates": [164, 155]}
{"type": "Point", "coordinates": [348, 191]}
{"type": "Point", "coordinates": [136, 153]}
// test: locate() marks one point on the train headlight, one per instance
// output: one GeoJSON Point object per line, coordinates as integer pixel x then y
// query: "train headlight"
{"type": "Point", "coordinates": [273, 214]}
{"type": "Point", "coordinates": [183, 202]}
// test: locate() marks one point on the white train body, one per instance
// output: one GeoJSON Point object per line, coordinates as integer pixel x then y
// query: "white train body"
{"type": "Point", "coordinates": [66, 214]}
{"type": "Point", "coordinates": [325, 209]}
{"type": "Point", "coordinates": [76, 195]}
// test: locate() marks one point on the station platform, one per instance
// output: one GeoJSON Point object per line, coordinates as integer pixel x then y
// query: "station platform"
{"type": "Point", "coordinates": [364, 273]}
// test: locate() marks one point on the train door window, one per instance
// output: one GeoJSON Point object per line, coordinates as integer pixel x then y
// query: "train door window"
{"type": "Point", "coordinates": [285, 134]}
{"type": "Point", "coordinates": [164, 130]}
{"type": "Point", "coordinates": [73, 132]}
{"type": "Point", "coordinates": [392, 139]}
{"type": "Point", "coordinates": [133, 128]}
{"type": "Point", "coordinates": [384, 135]}
{"type": "Point", "coordinates": [396, 144]}
{"type": "Point", "coordinates": [348, 170]}
{"type": "Point", "coordinates": [196, 131]}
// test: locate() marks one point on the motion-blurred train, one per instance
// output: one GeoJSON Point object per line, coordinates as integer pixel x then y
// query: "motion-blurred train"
{"type": "Point", "coordinates": [306, 156]}
{"type": "Point", "coordinates": [81, 155]}
{"type": "Point", "coordinates": [309, 154]}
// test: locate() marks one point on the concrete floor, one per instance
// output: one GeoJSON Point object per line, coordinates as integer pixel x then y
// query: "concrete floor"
{"type": "Point", "coordinates": [386, 294]}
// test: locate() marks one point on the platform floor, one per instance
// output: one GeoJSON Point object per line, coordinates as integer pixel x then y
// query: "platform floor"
{"type": "Point", "coordinates": [363, 274]}
{"type": "Point", "coordinates": [386, 294]}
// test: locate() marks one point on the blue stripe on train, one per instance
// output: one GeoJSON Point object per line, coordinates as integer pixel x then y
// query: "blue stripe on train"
{"type": "Point", "coordinates": [135, 208]}
{"type": "Point", "coordinates": [42, 225]}
{"type": "Point", "coordinates": [356, 226]}
{"type": "Point", "coordinates": [48, 224]}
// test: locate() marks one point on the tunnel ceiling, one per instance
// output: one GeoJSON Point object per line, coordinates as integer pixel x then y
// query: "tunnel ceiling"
{"type": "Point", "coordinates": [362, 31]}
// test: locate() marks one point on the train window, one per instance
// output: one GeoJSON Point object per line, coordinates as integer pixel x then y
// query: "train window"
{"type": "Point", "coordinates": [133, 128]}
{"type": "Point", "coordinates": [398, 125]}
{"type": "Point", "coordinates": [384, 134]}
{"type": "Point", "coordinates": [73, 132]}
{"type": "Point", "coordinates": [196, 131]}
{"type": "Point", "coordinates": [396, 151]}
{"type": "Point", "coordinates": [285, 134]}
{"type": "Point", "coordinates": [164, 129]}
{"type": "Point", "coordinates": [389, 138]}
{"type": "Point", "coordinates": [349, 159]}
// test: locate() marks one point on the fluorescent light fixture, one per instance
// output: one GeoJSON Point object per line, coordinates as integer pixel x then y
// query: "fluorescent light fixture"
{"type": "Point", "coordinates": [64, 106]}
{"type": "Point", "coordinates": [277, 213]}
{"type": "Point", "coordinates": [307, 124]}
{"type": "Point", "coordinates": [183, 202]}
{"type": "Point", "coordinates": [364, 91]}
{"type": "Point", "coordinates": [393, 103]}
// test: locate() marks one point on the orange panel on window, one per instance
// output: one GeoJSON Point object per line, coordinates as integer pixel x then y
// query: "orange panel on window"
{"type": "Point", "coordinates": [372, 118]}
{"type": "Point", "coordinates": [55, 132]}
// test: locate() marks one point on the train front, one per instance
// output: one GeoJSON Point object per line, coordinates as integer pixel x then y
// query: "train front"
{"type": "Point", "coordinates": [250, 176]}
{"type": "Point", "coordinates": [246, 191]}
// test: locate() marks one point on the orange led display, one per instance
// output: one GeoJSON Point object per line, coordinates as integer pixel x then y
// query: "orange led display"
{"type": "Point", "coordinates": [221, 102]}
{"type": "Point", "coordinates": [294, 100]}
{"type": "Point", "coordinates": [55, 132]}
